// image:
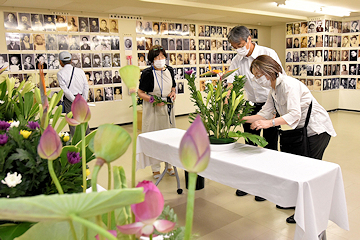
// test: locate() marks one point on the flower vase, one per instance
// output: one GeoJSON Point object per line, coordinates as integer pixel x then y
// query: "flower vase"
{"type": "Point", "coordinates": [221, 144]}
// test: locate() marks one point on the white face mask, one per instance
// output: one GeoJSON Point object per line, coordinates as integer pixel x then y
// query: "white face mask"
{"type": "Point", "coordinates": [263, 81]}
{"type": "Point", "coordinates": [160, 64]}
{"type": "Point", "coordinates": [243, 51]}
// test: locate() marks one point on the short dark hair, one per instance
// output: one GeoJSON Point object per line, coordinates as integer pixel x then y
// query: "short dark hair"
{"type": "Point", "coordinates": [155, 51]}
{"type": "Point", "coordinates": [238, 33]}
{"type": "Point", "coordinates": [87, 73]}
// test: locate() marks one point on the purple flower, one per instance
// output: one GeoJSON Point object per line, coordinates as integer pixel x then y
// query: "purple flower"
{"type": "Point", "coordinates": [3, 139]}
{"type": "Point", "coordinates": [189, 72]}
{"type": "Point", "coordinates": [33, 125]}
{"type": "Point", "coordinates": [152, 99]}
{"type": "Point", "coordinates": [4, 125]}
{"type": "Point", "coordinates": [73, 157]}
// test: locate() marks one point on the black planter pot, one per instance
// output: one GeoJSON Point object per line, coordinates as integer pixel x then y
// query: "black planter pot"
{"type": "Point", "coordinates": [214, 140]}
{"type": "Point", "coordinates": [200, 181]}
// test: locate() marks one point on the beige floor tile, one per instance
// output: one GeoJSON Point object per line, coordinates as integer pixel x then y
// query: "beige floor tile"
{"type": "Point", "coordinates": [218, 234]}
{"type": "Point", "coordinates": [272, 235]}
{"type": "Point", "coordinates": [245, 229]}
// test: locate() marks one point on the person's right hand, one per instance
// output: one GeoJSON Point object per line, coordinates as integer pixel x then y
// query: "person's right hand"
{"type": "Point", "coordinates": [160, 104]}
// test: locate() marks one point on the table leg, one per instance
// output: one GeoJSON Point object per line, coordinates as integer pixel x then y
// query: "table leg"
{"type": "Point", "coordinates": [162, 174]}
{"type": "Point", "coordinates": [179, 190]}
{"type": "Point", "coordinates": [322, 235]}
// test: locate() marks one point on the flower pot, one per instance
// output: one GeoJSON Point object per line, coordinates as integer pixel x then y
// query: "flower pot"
{"type": "Point", "coordinates": [200, 181]}
{"type": "Point", "coordinates": [221, 144]}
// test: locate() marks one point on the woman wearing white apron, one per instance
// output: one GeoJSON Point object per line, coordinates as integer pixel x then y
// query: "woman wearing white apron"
{"type": "Point", "coordinates": [157, 80]}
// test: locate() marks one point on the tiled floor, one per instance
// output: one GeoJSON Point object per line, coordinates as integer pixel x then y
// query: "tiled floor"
{"type": "Point", "coordinates": [220, 215]}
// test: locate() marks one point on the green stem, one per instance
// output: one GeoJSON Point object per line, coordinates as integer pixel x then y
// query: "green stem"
{"type": "Point", "coordinates": [134, 140]}
{"type": "Point", "coordinates": [150, 237]}
{"type": "Point", "coordinates": [190, 205]}
{"type": "Point", "coordinates": [53, 176]}
{"type": "Point", "coordinates": [94, 177]}
{"type": "Point", "coordinates": [72, 229]}
{"type": "Point", "coordinates": [109, 188]}
{"type": "Point", "coordinates": [83, 157]}
{"type": "Point", "coordinates": [93, 226]}
{"type": "Point", "coordinates": [99, 223]}
{"type": "Point", "coordinates": [218, 126]}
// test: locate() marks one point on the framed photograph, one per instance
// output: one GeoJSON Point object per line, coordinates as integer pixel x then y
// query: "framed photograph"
{"type": "Point", "coordinates": [179, 74]}
{"type": "Point", "coordinates": [139, 27]}
{"type": "Point", "coordinates": [156, 41]}
{"type": "Point", "coordinates": [61, 23]}
{"type": "Point", "coordinates": [42, 59]}
{"type": "Point", "coordinates": [296, 29]}
{"type": "Point", "coordinates": [116, 77]}
{"type": "Point", "coordinates": [74, 41]}
{"type": "Point", "coordinates": [128, 43]}
{"type": "Point", "coordinates": [186, 44]}
{"type": "Point", "coordinates": [99, 94]}
{"type": "Point", "coordinates": [104, 25]}
{"type": "Point", "coordinates": [179, 44]}
{"type": "Point", "coordinates": [311, 27]}
{"type": "Point", "coordinates": [37, 22]}
{"type": "Point", "coordinates": [107, 77]}
{"type": "Point", "coordinates": [98, 78]}
{"type": "Point", "coordinates": [179, 59]}
{"type": "Point", "coordinates": [75, 60]}
{"type": "Point", "coordinates": [213, 45]}
{"type": "Point", "coordinates": [24, 21]}
{"type": "Point", "coordinates": [12, 41]}
{"type": "Point", "coordinates": [114, 25]}
{"type": "Point", "coordinates": [53, 82]}
{"type": "Point", "coordinates": [304, 28]}
{"type": "Point", "coordinates": [51, 42]}
{"type": "Point", "coordinates": [178, 29]}
{"type": "Point", "coordinates": [86, 60]}
{"type": "Point", "coordinates": [73, 23]}
{"type": "Point", "coordinates": [289, 29]}
{"type": "Point", "coordinates": [165, 43]}
{"type": "Point", "coordinates": [95, 43]}
{"type": "Point", "coordinates": [49, 23]}
{"type": "Point", "coordinates": [140, 42]}
{"type": "Point", "coordinates": [4, 61]}
{"type": "Point", "coordinates": [118, 93]}
{"type": "Point", "coordinates": [54, 63]}
{"type": "Point", "coordinates": [186, 58]}
{"type": "Point", "coordinates": [91, 95]}
{"type": "Point", "coordinates": [106, 60]}
{"type": "Point", "coordinates": [63, 42]}
{"type": "Point", "coordinates": [39, 42]}
{"type": "Point", "coordinates": [156, 28]}
{"type": "Point", "coordinates": [289, 43]}
{"type": "Point", "coordinates": [28, 61]}
{"type": "Point", "coordinates": [180, 87]}
{"type": "Point", "coordinates": [84, 24]}
{"type": "Point", "coordinates": [172, 59]}
{"type": "Point", "coordinates": [115, 43]}
{"type": "Point", "coordinates": [85, 43]}
{"type": "Point", "coordinates": [201, 31]}
{"type": "Point", "coordinates": [105, 42]}
{"type": "Point", "coordinates": [94, 25]}
{"type": "Point", "coordinates": [319, 26]}
{"type": "Point", "coordinates": [192, 30]}
{"type": "Point", "coordinates": [96, 62]}
{"type": "Point", "coordinates": [10, 20]}
{"type": "Point", "coordinates": [288, 56]}
{"type": "Point", "coordinates": [185, 31]}
{"type": "Point", "coordinates": [109, 95]}
{"type": "Point", "coordinates": [207, 31]}
{"type": "Point", "coordinates": [213, 31]}
{"type": "Point", "coordinates": [148, 28]}
{"type": "Point", "coordinates": [115, 60]}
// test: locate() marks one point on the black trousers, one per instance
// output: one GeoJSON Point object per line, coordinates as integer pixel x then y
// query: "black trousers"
{"type": "Point", "coordinates": [318, 144]}
{"type": "Point", "coordinates": [67, 106]}
{"type": "Point", "coordinates": [271, 135]}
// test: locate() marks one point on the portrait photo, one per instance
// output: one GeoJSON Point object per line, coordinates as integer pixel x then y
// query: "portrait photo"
{"type": "Point", "coordinates": [139, 27]}
{"type": "Point", "coordinates": [179, 74]}
{"type": "Point", "coordinates": [192, 30]}
{"type": "Point", "coordinates": [165, 43]}
{"type": "Point", "coordinates": [4, 63]}
{"type": "Point", "coordinates": [105, 42]}
{"type": "Point", "coordinates": [10, 20]}
{"type": "Point", "coordinates": [24, 21]}
{"type": "Point", "coordinates": [179, 44]}
{"type": "Point", "coordinates": [63, 42]}
{"type": "Point", "coordinates": [28, 61]}
{"type": "Point", "coordinates": [353, 55]}
{"type": "Point", "coordinates": [90, 78]}
{"type": "Point", "coordinates": [84, 42]}
{"type": "Point", "coordinates": [84, 24]}
{"type": "Point", "coordinates": [61, 23]}
{"type": "Point", "coordinates": [186, 44]}
{"type": "Point", "coordinates": [289, 29]}
{"type": "Point", "coordinates": [117, 93]}
{"type": "Point", "coordinates": [115, 43]}
{"type": "Point", "coordinates": [54, 63]}
{"type": "Point", "coordinates": [96, 60]}
{"type": "Point", "coordinates": [49, 23]}
{"type": "Point", "coordinates": [288, 56]}
{"type": "Point", "coordinates": [180, 87]}
{"type": "Point", "coordinates": [312, 27]}
{"type": "Point", "coordinates": [148, 27]}
{"type": "Point", "coordinates": [178, 28]}
{"type": "Point", "coordinates": [39, 42]}
{"type": "Point", "coordinates": [106, 60]}
{"type": "Point", "coordinates": [37, 22]}
{"type": "Point", "coordinates": [75, 60]}
{"type": "Point", "coordinates": [109, 95]}
{"type": "Point", "coordinates": [192, 44]}
{"type": "Point", "coordinates": [156, 28]}
{"type": "Point", "coordinates": [116, 76]}
{"type": "Point", "coordinates": [98, 78]}
{"type": "Point", "coordinates": [172, 59]}
{"type": "Point", "coordinates": [51, 42]}
{"type": "Point", "coordinates": [207, 31]}
{"type": "Point", "coordinates": [94, 25]}
{"type": "Point", "coordinates": [140, 42]}
{"type": "Point", "coordinates": [128, 43]}
{"type": "Point", "coordinates": [53, 82]}
{"type": "Point", "coordinates": [74, 41]}
{"type": "Point", "coordinates": [91, 97]}
{"type": "Point", "coordinates": [107, 78]}
{"type": "Point", "coordinates": [346, 27]}
{"type": "Point", "coordinates": [99, 94]}
{"type": "Point", "coordinates": [185, 30]}
{"type": "Point", "coordinates": [86, 60]}
{"type": "Point", "coordinates": [104, 25]}
{"type": "Point", "coordinates": [201, 31]}
{"type": "Point", "coordinates": [114, 25]}
{"type": "Point", "coordinates": [179, 59]}
{"type": "Point", "coordinates": [304, 28]}
{"type": "Point", "coordinates": [73, 24]}
{"type": "Point", "coordinates": [115, 57]}
{"type": "Point", "coordinates": [41, 58]}
{"type": "Point", "coordinates": [289, 43]}
{"type": "Point", "coordinates": [12, 41]}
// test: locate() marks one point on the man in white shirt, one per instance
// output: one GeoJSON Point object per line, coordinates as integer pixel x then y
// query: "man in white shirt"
{"type": "Point", "coordinates": [72, 81]}
{"type": "Point", "coordinates": [239, 37]}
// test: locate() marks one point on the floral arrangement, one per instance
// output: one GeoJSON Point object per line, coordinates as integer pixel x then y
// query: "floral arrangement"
{"type": "Point", "coordinates": [222, 109]}
{"type": "Point", "coordinates": [156, 100]}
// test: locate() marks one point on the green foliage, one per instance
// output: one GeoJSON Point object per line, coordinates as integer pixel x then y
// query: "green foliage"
{"type": "Point", "coordinates": [222, 109]}
{"type": "Point", "coordinates": [10, 231]}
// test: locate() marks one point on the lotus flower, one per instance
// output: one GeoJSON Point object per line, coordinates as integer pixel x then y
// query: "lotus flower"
{"type": "Point", "coordinates": [131, 75]}
{"type": "Point", "coordinates": [147, 212]}
{"type": "Point", "coordinates": [111, 142]}
{"type": "Point", "coordinates": [50, 145]}
{"type": "Point", "coordinates": [80, 110]}
{"type": "Point", "coordinates": [195, 147]}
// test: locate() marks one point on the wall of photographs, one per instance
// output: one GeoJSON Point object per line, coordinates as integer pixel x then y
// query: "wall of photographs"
{"type": "Point", "coordinates": [93, 43]}
{"type": "Point", "coordinates": [189, 46]}
{"type": "Point", "coordinates": [324, 53]}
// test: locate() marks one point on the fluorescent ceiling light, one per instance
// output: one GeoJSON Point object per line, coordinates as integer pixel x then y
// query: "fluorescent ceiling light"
{"type": "Point", "coordinates": [313, 7]}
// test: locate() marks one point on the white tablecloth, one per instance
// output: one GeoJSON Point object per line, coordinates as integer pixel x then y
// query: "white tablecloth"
{"type": "Point", "coordinates": [315, 187]}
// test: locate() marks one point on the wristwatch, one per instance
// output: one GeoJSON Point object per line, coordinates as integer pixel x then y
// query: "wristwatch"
{"type": "Point", "coordinates": [273, 122]}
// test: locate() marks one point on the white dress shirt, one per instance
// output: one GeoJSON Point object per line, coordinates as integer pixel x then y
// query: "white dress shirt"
{"type": "Point", "coordinates": [292, 100]}
{"type": "Point", "coordinates": [79, 84]}
{"type": "Point", "coordinates": [255, 93]}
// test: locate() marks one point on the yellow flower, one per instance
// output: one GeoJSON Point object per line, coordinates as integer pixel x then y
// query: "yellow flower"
{"type": "Point", "coordinates": [66, 138]}
{"type": "Point", "coordinates": [87, 172]}
{"type": "Point", "coordinates": [25, 133]}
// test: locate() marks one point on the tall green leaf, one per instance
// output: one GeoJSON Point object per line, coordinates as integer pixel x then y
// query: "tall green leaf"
{"type": "Point", "coordinates": [11, 231]}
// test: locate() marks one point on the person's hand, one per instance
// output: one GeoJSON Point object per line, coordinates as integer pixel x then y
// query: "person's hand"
{"type": "Point", "coordinates": [261, 124]}
{"type": "Point", "coordinates": [160, 104]}
{"type": "Point", "coordinates": [172, 95]}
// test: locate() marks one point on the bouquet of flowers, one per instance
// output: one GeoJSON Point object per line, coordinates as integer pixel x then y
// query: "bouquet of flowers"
{"type": "Point", "coordinates": [156, 100]}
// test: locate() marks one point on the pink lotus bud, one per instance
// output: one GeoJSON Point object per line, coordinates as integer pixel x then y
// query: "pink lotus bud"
{"type": "Point", "coordinates": [80, 110]}
{"type": "Point", "coordinates": [50, 145]}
